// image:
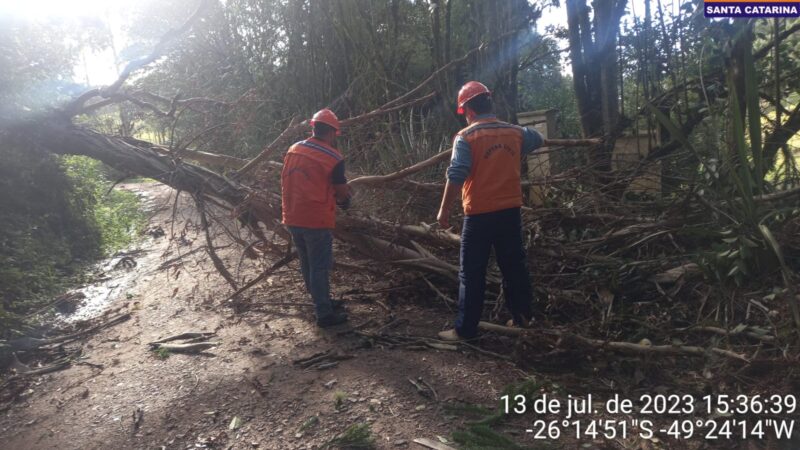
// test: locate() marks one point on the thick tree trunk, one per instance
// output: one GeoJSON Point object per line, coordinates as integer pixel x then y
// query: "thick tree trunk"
{"type": "Point", "coordinates": [595, 71]}
{"type": "Point", "coordinates": [59, 136]}
{"type": "Point", "coordinates": [129, 156]}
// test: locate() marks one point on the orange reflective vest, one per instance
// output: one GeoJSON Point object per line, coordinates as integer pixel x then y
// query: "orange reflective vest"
{"type": "Point", "coordinates": [494, 180]}
{"type": "Point", "coordinates": [307, 191]}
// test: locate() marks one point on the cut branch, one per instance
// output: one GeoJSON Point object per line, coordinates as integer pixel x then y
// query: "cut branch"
{"type": "Point", "coordinates": [624, 347]}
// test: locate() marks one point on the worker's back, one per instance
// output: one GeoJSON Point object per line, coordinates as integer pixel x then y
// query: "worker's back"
{"type": "Point", "coordinates": [307, 192]}
{"type": "Point", "coordinates": [494, 180]}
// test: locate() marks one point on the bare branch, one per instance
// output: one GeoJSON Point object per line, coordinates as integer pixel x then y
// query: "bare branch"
{"type": "Point", "coordinates": [161, 47]}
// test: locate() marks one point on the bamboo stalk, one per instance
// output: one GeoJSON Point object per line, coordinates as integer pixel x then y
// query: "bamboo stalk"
{"type": "Point", "coordinates": [443, 156]}
{"type": "Point", "coordinates": [625, 347]}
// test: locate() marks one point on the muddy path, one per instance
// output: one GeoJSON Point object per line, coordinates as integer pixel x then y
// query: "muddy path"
{"type": "Point", "coordinates": [247, 392]}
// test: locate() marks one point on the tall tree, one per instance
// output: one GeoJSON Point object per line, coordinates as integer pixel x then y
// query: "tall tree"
{"type": "Point", "coordinates": [593, 44]}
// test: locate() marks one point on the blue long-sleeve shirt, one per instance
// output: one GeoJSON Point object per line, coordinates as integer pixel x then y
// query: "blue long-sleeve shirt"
{"type": "Point", "coordinates": [461, 161]}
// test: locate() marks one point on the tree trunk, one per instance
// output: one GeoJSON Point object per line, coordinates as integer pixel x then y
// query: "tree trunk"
{"type": "Point", "coordinates": [595, 71]}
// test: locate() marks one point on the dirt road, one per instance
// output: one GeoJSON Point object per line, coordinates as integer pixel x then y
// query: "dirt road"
{"type": "Point", "coordinates": [247, 392]}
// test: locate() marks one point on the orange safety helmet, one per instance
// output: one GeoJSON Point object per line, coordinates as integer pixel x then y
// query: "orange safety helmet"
{"type": "Point", "coordinates": [470, 90]}
{"type": "Point", "coordinates": [327, 117]}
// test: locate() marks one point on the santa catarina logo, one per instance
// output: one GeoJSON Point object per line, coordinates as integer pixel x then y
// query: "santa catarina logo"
{"type": "Point", "coordinates": [750, 8]}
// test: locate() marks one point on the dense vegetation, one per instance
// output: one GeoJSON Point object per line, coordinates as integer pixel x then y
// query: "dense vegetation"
{"type": "Point", "coordinates": [56, 213]}
{"type": "Point", "coordinates": [56, 216]}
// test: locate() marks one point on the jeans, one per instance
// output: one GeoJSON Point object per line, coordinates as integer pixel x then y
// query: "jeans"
{"type": "Point", "coordinates": [503, 231]}
{"type": "Point", "coordinates": [315, 250]}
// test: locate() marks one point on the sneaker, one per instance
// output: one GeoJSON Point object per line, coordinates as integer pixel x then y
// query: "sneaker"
{"type": "Point", "coordinates": [332, 320]}
{"type": "Point", "coordinates": [450, 335]}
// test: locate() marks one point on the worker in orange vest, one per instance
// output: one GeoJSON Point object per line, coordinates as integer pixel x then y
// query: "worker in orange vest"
{"type": "Point", "coordinates": [312, 184]}
{"type": "Point", "coordinates": [485, 168]}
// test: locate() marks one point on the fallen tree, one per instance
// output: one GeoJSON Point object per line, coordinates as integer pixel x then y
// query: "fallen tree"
{"type": "Point", "coordinates": [400, 244]}
{"type": "Point", "coordinates": [596, 256]}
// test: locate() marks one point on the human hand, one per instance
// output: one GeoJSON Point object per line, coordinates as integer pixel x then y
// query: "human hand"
{"type": "Point", "coordinates": [443, 218]}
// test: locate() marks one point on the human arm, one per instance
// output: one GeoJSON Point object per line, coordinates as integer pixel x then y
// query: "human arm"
{"type": "Point", "coordinates": [341, 190]}
{"type": "Point", "coordinates": [450, 195]}
{"type": "Point", "coordinates": [531, 140]}
{"type": "Point", "coordinates": [457, 173]}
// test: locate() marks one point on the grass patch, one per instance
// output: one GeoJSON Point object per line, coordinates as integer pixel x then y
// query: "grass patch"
{"type": "Point", "coordinates": [161, 353]}
{"type": "Point", "coordinates": [480, 431]}
{"type": "Point", "coordinates": [338, 399]}
{"type": "Point", "coordinates": [468, 410]}
{"type": "Point", "coordinates": [482, 437]}
{"type": "Point", "coordinates": [356, 436]}
{"type": "Point", "coordinates": [309, 423]}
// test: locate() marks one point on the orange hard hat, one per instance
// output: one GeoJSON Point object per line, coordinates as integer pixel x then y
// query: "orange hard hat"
{"type": "Point", "coordinates": [470, 90]}
{"type": "Point", "coordinates": [327, 117]}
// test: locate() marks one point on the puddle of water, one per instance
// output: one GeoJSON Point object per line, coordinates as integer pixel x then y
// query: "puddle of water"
{"type": "Point", "coordinates": [100, 295]}
{"type": "Point", "coordinates": [116, 281]}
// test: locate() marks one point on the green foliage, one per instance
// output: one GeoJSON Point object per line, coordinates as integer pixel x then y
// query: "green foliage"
{"type": "Point", "coordinates": [543, 86]}
{"type": "Point", "coordinates": [732, 169]}
{"type": "Point", "coordinates": [116, 212]}
{"type": "Point", "coordinates": [481, 437]}
{"type": "Point", "coordinates": [479, 433]}
{"type": "Point", "coordinates": [467, 409]}
{"type": "Point", "coordinates": [356, 436]}
{"type": "Point", "coordinates": [54, 219]}
{"type": "Point", "coordinates": [47, 224]}
{"type": "Point", "coordinates": [738, 257]}
{"type": "Point", "coordinates": [748, 248]}
{"type": "Point", "coordinates": [44, 229]}
{"type": "Point", "coordinates": [161, 352]}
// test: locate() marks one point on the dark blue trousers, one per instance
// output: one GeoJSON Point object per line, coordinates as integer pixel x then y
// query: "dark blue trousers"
{"type": "Point", "coordinates": [315, 250]}
{"type": "Point", "coordinates": [503, 231]}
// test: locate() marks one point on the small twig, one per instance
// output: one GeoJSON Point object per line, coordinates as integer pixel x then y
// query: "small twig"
{"type": "Point", "coordinates": [187, 335]}
{"type": "Point", "coordinates": [322, 360]}
{"type": "Point", "coordinates": [392, 324]}
{"type": "Point", "coordinates": [137, 418]}
{"type": "Point", "coordinates": [310, 358]}
{"type": "Point", "coordinates": [731, 333]}
{"type": "Point", "coordinates": [87, 363]}
{"type": "Point", "coordinates": [280, 263]}
{"type": "Point", "coordinates": [447, 300]}
{"type": "Point", "coordinates": [197, 347]}
{"type": "Point", "coordinates": [435, 395]}
{"type": "Point", "coordinates": [384, 306]}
